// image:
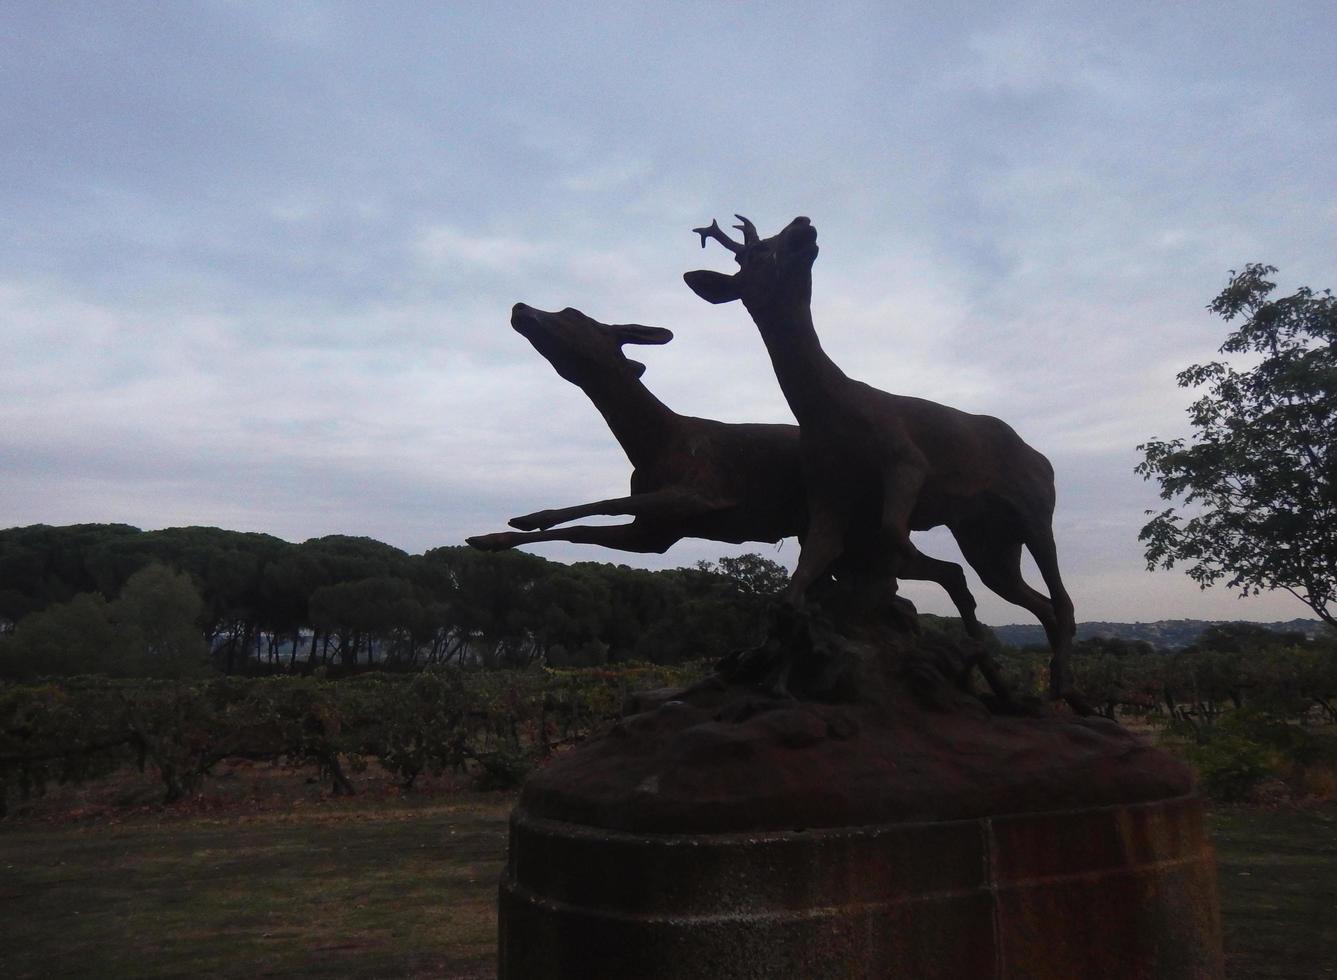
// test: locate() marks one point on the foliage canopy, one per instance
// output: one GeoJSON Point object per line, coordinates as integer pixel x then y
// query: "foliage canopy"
{"type": "Point", "coordinates": [1260, 473]}
{"type": "Point", "coordinates": [149, 630]}
{"type": "Point", "coordinates": [251, 603]}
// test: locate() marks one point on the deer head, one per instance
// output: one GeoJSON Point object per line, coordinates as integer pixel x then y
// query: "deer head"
{"type": "Point", "coordinates": [771, 272]}
{"type": "Point", "coordinates": [581, 349]}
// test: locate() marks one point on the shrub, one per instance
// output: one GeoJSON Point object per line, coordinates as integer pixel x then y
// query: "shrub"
{"type": "Point", "coordinates": [1231, 766]}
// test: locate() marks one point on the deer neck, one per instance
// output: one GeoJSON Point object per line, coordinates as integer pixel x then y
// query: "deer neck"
{"type": "Point", "coordinates": [807, 376]}
{"type": "Point", "coordinates": [639, 421]}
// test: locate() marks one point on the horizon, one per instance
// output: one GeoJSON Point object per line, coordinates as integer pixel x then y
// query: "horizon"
{"type": "Point", "coordinates": [951, 614]}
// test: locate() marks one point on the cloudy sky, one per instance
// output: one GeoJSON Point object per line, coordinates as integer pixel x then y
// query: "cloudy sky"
{"type": "Point", "coordinates": [257, 259]}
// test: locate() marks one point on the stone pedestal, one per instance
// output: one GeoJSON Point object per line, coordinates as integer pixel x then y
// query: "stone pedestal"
{"type": "Point", "coordinates": [1114, 892]}
{"type": "Point", "coordinates": [730, 836]}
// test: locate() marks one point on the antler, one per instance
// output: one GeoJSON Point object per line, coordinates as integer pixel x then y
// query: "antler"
{"type": "Point", "coordinates": [715, 232]}
{"type": "Point", "coordinates": [749, 230]}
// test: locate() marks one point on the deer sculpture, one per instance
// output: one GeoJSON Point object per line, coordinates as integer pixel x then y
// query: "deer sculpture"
{"type": "Point", "coordinates": [877, 465]}
{"type": "Point", "coordinates": [693, 477]}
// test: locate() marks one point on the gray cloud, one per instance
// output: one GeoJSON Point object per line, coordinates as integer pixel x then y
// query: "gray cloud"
{"type": "Point", "coordinates": [259, 258]}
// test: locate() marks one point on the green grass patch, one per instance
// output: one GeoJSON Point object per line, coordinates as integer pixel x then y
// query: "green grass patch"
{"type": "Point", "coordinates": [406, 887]}
{"type": "Point", "coordinates": [400, 888]}
{"type": "Point", "coordinates": [1278, 890]}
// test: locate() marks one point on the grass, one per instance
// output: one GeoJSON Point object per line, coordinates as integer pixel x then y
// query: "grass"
{"type": "Point", "coordinates": [1278, 890]}
{"type": "Point", "coordinates": [372, 887]}
{"type": "Point", "coordinates": [266, 875]}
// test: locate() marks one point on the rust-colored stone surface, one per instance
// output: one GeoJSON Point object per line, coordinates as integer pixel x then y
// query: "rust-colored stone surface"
{"type": "Point", "coordinates": [1114, 892]}
{"type": "Point", "coordinates": [728, 760]}
{"type": "Point", "coordinates": [723, 833]}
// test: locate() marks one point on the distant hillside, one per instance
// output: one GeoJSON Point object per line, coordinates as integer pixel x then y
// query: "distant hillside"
{"type": "Point", "coordinates": [1166, 634]}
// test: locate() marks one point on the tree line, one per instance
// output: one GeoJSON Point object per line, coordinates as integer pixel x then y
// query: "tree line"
{"type": "Point", "coordinates": [112, 599]}
{"type": "Point", "coordinates": [487, 662]}
{"type": "Point", "coordinates": [1252, 710]}
{"type": "Point", "coordinates": [1231, 667]}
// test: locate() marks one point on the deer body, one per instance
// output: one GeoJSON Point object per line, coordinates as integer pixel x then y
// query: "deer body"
{"type": "Point", "coordinates": [878, 465]}
{"type": "Point", "coordinates": [693, 477]}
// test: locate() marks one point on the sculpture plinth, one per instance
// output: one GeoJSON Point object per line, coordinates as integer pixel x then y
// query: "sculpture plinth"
{"type": "Point", "coordinates": [728, 834]}
{"type": "Point", "coordinates": [933, 901]}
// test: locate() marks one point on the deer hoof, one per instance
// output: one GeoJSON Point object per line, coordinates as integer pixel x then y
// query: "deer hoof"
{"type": "Point", "coordinates": [537, 521]}
{"type": "Point", "coordinates": [1073, 698]}
{"type": "Point", "coordinates": [492, 542]}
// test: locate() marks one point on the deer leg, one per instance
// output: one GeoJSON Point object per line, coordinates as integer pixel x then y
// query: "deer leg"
{"type": "Point", "coordinates": [996, 558]}
{"type": "Point", "coordinates": [769, 664]}
{"type": "Point", "coordinates": [892, 549]}
{"type": "Point", "coordinates": [997, 561]}
{"type": "Point", "coordinates": [650, 538]}
{"type": "Point", "coordinates": [919, 567]}
{"type": "Point", "coordinates": [901, 483]}
{"type": "Point", "coordinates": [1040, 543]}
{"type": "Point", "coordinates": [822, 545]}
{"type": "Point", "coordinates": [671, 502]}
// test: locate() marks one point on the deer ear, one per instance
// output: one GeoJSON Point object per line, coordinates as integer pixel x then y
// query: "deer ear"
{"type": "Point", "coordinates": [634, 333]}
{"type": "Point", "coordinates": [637, 368]}
{"type": "Point", "coordinates": [713, 287]}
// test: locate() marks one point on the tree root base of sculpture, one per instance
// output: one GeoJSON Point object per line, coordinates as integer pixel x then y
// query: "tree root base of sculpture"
{"type": "Point", "coordinates": [727, 832]}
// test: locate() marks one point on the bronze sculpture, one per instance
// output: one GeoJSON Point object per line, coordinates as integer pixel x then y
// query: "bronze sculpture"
{"type": "Point", "coordinates": [835, 802]}
{"type": "Point", "coordinates": [877, 465]}
{"type": "Point", "coordinates": [692, 477]}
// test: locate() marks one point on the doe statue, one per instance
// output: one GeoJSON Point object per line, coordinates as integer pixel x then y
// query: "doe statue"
{"type": "Point", "coordinates": [877, 465]}
{"type": "Point", "coordinates": [692, 477]}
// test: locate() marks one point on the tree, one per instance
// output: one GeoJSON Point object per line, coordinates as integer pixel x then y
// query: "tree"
{"type": "Point", "coordinates": [157, 619]}
{"type": "Point", "coordinates": [150, 630]}
{"type": "Point", "coordinates": [491, 594]}
{"type": "Point", "coordinates": [570, 610]}
{"type": "Point", "coordinates": [1260, 474]}
{"type": "Point", "coordinates": [751, 575]}
{"type": "Point", "coordinates": [41, 565]}
{"type": "Point", "coordinates": [75, 637]}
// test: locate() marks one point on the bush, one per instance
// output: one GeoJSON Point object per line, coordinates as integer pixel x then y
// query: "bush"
{"type": "Point", "coordinates": [1231, 766]}
{"type": "Point", "coordinates": [503, 769]}
{"type": "Point", "coordinates": [496, 723]}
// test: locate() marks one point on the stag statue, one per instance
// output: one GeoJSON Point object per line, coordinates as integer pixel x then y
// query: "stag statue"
{"type": "Point", "coordinates": [877, 465]}
{"type": "Point", "coordinates": [692, 477]}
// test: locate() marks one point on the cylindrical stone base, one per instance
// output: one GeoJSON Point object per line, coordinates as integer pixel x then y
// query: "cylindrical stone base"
{"type": "Point", "coordinates": [1116, 892]}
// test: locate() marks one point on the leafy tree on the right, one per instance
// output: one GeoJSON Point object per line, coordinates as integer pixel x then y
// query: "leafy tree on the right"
{"type": "Point", "coordinates": [1258, 479]}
